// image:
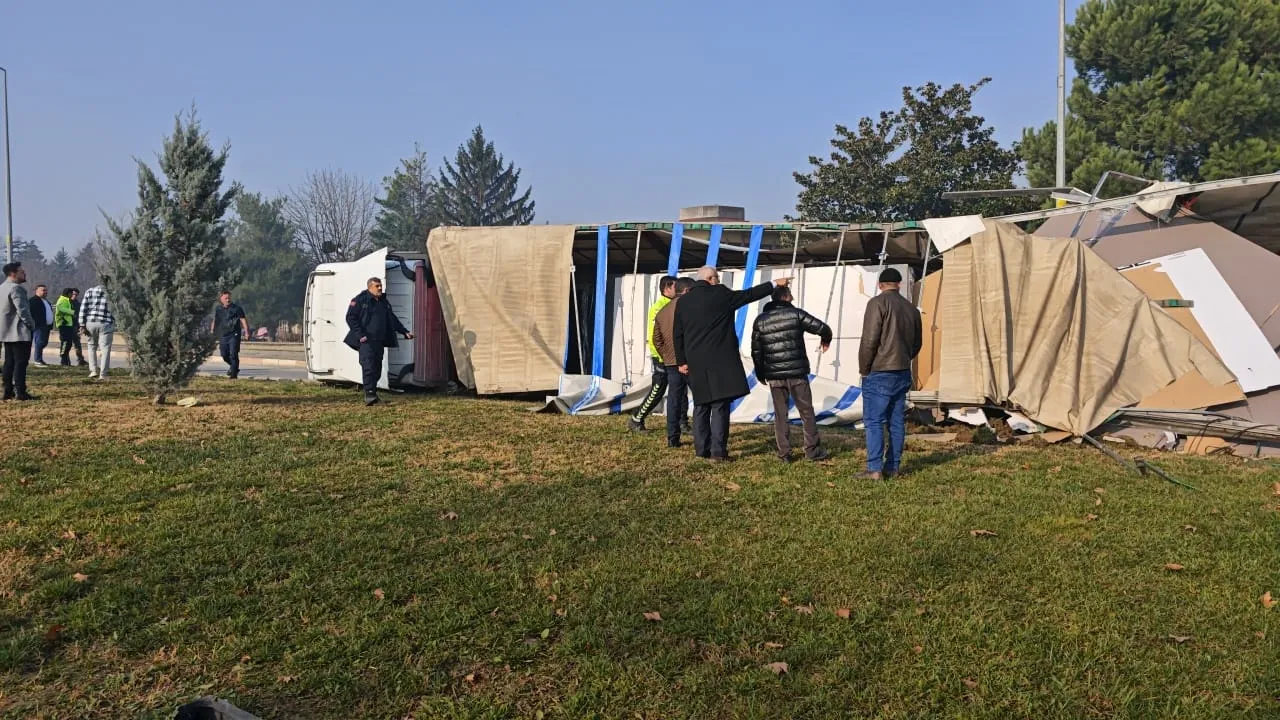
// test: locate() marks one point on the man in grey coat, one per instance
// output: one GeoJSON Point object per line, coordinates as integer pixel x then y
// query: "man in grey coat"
{"type": "Point", "coordinates": [16, 326]}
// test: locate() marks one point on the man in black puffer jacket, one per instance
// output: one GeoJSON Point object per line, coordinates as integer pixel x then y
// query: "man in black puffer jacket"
{"type": "Point", "coordinates": [780, 357]}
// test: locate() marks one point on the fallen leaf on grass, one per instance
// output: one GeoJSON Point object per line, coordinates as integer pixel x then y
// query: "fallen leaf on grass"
{"type": "Point", "coordinates": [553, 531]}
{"type": "Point", "coordinates": [786, 600]}
{"type": "Point", "coordinates": [451, 515]}
{"type": "Point", "coordinates": [1055, 469]}
{"type": "Point", "coordinates": [53, 452]}
{"type": "Point", "coordinates": [732, 486]}
{"type": "Point", "coordinates": [80, 577]}
{"type": "Point", "coordinates": [552, 598]}
{"type": "Point", "coordinates": [804, 609]}
{"type": "Point", "coordinates": [982, 533]}
{"type": "Point", "coordinates": [1175, 567]}
{"type": "Point", "coordinates": [773, 646]}
{"type": "Point", "coordinates": [918, 649]}
{"type": "Point", "coordinates": [1179, 638]}
{"type": "Point", "coordinates": [546, 633]}
{"type": "Point", "coordinates": [139, 460]}
{"type": "Point", "coordinates": [561, 612]}
{"type": "Point", "coordinates": [842, 613]}
{"type": "Point", "coordinates": [379, 594]}
{"type": "Point", "coordinates": [470, 677]}
{"type": "Point", "coordinates": [53, 632]}
{"type": "Point", "coordinates": [1100, 491]}
{"type": "Point", "coordinates": [1189, 528]}
{"type": "Point", "coordinates": [286, 679]}
{"type": "Point", "coordinates": [1090, 517]}
{"type": "Point", "coordinates": [653, 616]}
{"type": "Point", "coordinates": [1276, 489]}
{"type": "Point", "coordinates": [970, 683]}
{"type": "Point", "coordinates": [69, 535]}
{"type": "Point", "coordinates": [777, 668]}
{"type": "Point", "coordinates": [1097, 501]}
{"type": "Point", "coordinates": [1266, 600]}
{"type": "Point", "coordinates": [1260, 635]}
{"type": "Point", "coordinates": [831, 484]}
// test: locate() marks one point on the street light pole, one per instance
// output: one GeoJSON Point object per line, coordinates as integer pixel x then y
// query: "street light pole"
{"type": "Point", "coordinates": [8, 175]}
{"type": "Point", "coordinates": [1061, 177]}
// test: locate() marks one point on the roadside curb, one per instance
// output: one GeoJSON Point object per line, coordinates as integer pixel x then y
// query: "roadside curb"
{"type": "Point", "coordinates": [245, 362]}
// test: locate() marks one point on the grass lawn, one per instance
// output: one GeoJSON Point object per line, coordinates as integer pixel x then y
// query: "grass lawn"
{"type": "Point", "coordinates": [284, 547]}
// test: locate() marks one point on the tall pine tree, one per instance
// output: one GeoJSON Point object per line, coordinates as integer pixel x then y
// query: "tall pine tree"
{"type": "Point", "coordinates": [273, 271]}
{"type": "Point", "coordinates": [477, 188]}
{"type": "Point", "coordinates": [1167, 89]}
{"type": "Point", "coordinates": [409, 206]}
{"type": "Point", "coordinates": [164, 270]}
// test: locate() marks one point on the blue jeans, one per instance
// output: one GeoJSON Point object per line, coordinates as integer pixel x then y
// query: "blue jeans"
{"type": "Point", "coordinates": [884, 401]}
{"type": "Point", "coordinates": [39, 341]}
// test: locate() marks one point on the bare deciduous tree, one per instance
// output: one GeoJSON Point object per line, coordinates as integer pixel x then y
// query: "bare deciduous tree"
{"type": "Point", "coordinates": [332, 214]}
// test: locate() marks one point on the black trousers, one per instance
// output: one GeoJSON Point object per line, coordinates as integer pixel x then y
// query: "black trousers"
{"type": "Point", "coordinates": [229, 345]}
{"type": "Point", "coordinates": [70, 339]}
{"type": "Point", "coordinates": [677, 404]}
{"type": "Point", "coordinates": [657, 388]}
{"type": "Point", "coordinates": [371, 366]}
{"type": "Point", "coordinates": [711, 429]}
{"type": "Point", "coordinates": [17, 355]}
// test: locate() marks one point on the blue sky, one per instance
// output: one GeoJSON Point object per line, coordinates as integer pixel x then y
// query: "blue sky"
{"type": "Point", "coordinates": [613, 111]}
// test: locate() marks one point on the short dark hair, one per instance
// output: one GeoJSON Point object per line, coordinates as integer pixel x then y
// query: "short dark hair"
{"type": "Point", "coordinates": [890, 275]}
{"type": "Point", "coordinates": [781, 294]}
{"type": "Point", "coordinates": [224, 292]}
{"type": "Point", "coordinates": [684, 285]}
{"type": "Point", "coordinates": [666, 283]}
{"type": "Point", "coordinates": [11, 268]}
{"type": "Point", "coordinates": [42, 285]}
{"type": "Point", "coordinates": [66, 292]}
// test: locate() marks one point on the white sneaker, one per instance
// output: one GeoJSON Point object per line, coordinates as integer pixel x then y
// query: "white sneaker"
{"type": "Point", "coordinates": [40, 364]}
{"type": "Point", "coordinates": [102, 375]}
{"type": "Point", "coordinates": [93, 375]}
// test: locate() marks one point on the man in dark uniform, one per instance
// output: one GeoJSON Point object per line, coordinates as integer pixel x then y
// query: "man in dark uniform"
{"type": "Point", "coordinates": [230, 323]}
{"type": "Point", "coordinates": [706, 344]}
{"type": "Point", "coordinates": [374, 327]}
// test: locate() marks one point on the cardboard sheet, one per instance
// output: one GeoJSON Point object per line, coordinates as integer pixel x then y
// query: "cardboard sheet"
{"type": "Point", "coordinates": [925, 371]}
{"type": "Point", "coordinates": [1225, 323]}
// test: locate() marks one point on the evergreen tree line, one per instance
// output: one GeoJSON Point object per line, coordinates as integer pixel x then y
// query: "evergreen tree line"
{"type": "Point", "coordinates": [275, 241]}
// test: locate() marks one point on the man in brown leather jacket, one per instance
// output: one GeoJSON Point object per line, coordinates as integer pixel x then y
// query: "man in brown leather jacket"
{"type": "Point", "coordinates": [890, 341]}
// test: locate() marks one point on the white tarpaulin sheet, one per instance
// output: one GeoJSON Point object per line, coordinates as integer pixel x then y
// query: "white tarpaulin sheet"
{"type": "Point", "coordinates": [836, 295]}
{"type": "Point", "coordinates": [833, 403]}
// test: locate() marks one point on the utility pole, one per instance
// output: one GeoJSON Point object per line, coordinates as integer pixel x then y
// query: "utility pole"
{"type": "Point", "coordinates": [1061, 178]}
{"type": "Point", "coordinates": [8, 176]}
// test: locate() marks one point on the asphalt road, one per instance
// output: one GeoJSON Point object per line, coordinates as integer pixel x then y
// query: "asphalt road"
{"type": "Point", "coordinates": [219, 368]}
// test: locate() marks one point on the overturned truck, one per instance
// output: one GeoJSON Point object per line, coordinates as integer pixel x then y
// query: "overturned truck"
{"type": "Point", "coordinates": [1045, 324]}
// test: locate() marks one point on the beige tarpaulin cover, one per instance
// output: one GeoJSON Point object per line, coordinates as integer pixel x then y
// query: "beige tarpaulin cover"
{"type": "Point", "coordinates": [505, 296]}
{"type": "Point", "coordinates": [1047, 326]}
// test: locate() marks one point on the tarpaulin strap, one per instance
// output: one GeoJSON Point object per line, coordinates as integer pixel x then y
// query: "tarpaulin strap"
{"type": "Point", "coordinates": [713, 247]}
{"type": "Point", "coordinates": [577, 325]}
{"type": "Point", "coordinates": [677, 241]}
{"type": "Point", "coordinates": [602, 280]}
{"type": "Point", "coordinates": [836, 276]}
{"type": "Point", "coordinates": [749, 275]}
{"type": "Point", "coordinates": [629, 343]}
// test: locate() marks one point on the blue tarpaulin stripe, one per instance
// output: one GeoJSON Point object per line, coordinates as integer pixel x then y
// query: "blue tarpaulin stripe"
{"type": "Point", "coordinates": [677, 242]}
{"type": "Point", "coordinates": [749, 276]}
{"type": "Point", "coordinates": [602, 280]}
{"type": "Point", "coordinates": [713, 246]}
{"type": "Point", "coordinates": [592, 390]}
{"type": "Point", "coordinates": [846, 401]}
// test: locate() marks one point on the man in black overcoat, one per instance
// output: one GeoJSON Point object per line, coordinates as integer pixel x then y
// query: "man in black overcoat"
{"type": "Point", "coordinates": [707, 352]}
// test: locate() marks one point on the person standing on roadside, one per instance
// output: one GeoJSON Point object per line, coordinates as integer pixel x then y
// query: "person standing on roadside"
{"type": "Point", "coordinates": [16, 327]}
{"type": "Point", "coordinates": [98, 326]}
{"type": "Point", "coordinates": [781, 360]}
{"type": "Point", "coordinates": [373, 328]}
{"type": "Point", "coordinates": [664, 344]}
{"type": "Point", "coordinates": [891, 337]}
{"type": "Point", "coordinates": [230, 325]}
{"type": "Point", "coordinates": [64, 319]}
{"type": "Point", "coordinates": [658, 379]}
{"type": "Point", "coordinates": [42, 313]}
{"type": "Point", "coordinates": [707, 353]}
